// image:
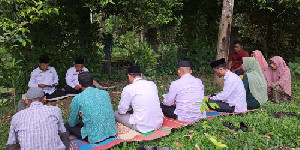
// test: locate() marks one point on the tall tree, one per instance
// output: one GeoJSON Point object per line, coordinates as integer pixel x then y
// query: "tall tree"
{"type": "Point", "coordinates": [224, 35]}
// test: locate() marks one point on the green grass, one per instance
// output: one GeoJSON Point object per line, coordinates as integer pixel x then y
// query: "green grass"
{"type": "Point", "coordinates": [283, 131]}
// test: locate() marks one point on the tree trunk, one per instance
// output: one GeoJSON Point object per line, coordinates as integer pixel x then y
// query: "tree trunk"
{"type": "Point", "coordinates": [106, 40]}
{"type": "Point", "coordinates": [101, 24]}
{"type": "Point", "coordinates": [142, 34]}
{"type": "Point", "coordinates": [224, 35]}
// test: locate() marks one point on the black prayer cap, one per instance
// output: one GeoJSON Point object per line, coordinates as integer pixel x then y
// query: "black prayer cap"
{"type": "Point", "coordinates": [184, 64]}
{"type": "Point", "coordinates": [217, 63]}
{"type": "Point", "coordinates": [44, 59]}
{"type": "Point", "coordinates": [79, 60]}
{"type": "Point", "coordinates": [134, 69]}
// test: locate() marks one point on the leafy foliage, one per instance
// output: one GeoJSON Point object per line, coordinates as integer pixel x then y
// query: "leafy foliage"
{"type": "Point", "coordinates": [129, 48]}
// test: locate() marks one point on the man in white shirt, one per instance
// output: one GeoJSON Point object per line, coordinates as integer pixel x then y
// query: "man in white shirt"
{"type": "Point", "coordinates": [141, 97]}
{"type": "Point", "coordinates": [73, 86]}
{"type": "Point", "coordinates": [233, 96]}
{"type": "Point", "coordinates": [180, 102]}
{"type": "Point", "coordinates": [46, 78]}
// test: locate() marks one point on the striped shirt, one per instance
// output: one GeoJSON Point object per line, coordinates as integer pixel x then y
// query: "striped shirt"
{"type": "Point", "coordinates": [37, 128]}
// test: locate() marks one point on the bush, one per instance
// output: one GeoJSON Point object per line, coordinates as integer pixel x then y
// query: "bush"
{"type": "Point", "coordinates": [168, 60]}
{"type": "Point", "coordinates": [129, 48]}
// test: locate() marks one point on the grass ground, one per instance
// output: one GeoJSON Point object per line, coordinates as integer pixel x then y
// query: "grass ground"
{"type": "Point", "coordinates": [265, 131]}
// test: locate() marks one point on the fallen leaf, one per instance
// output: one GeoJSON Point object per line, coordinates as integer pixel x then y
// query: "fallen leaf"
{"type": "Point", "coordinates": [253, 129]}
{"type": "Point", "coordinates": [197, 147]}
{"type": "Point", "coordinates": [187, 135]}
{"type": "Point", "coordinates": [177, 144]}
{"type": "Point", "coordinates": [206, 134]}
{"type": "Point", "coordinates": [222, 137]}
{"type": "Point", "coordinates": [269, 133]}
{"type": "Point", "coordinates": [264, 136]}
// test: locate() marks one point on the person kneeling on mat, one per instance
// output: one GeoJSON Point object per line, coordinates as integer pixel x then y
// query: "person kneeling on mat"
{"type": "Point", "coordinates": [233, 96]}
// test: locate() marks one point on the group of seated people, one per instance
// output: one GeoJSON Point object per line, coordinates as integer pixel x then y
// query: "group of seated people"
{"type": "Point", "coordinates": [277, 75]}
{"type": "Point", "coordinates": [91, 113]}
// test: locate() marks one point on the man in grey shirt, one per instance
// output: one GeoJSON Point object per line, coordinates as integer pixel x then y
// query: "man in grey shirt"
{"type": "Point", "coordinates": [39, 126]}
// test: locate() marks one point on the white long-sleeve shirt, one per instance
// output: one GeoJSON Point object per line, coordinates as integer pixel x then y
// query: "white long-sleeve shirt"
{"type": "Point", "coordinates": [72, 76]}
{"type": "Point", "coordinates": [233, 92]}
{"type": "Point", "coordinates": [142, 95]}
{"type": "Point", "coordinates": [49, 77]}
{"type": "Point", "coordinates": [185, 92]}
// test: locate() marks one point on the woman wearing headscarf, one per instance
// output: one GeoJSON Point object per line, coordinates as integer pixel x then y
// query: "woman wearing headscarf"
{"type": "Point", "coordinates": [254, 83]}
{"type": "Point", "coordinates": [262, 63]}
{"type": "Point", "coordinates": [280, 80]}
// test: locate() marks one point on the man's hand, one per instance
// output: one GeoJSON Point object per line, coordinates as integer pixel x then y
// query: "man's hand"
{"type": "Point", "coordinates": [41, 85]}
{"type": "Point", "coordinates": [78, 86]}
{"type": "Point", "coordinates": [80, 114]}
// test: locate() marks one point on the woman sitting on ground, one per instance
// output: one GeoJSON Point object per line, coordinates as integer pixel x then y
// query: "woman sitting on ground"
{"type": "Point", "coordinates": [254, 83]}
{"type": "Point", "coordinates": [280, 80]}
{"type": "Point", "coordinates": [262, 63]}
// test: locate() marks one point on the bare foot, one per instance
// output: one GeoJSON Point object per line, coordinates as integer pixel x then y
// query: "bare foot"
{"type": "Point", "coordinates": [211, 111]}
{"type": "Point", "coordinates": [72, 137]}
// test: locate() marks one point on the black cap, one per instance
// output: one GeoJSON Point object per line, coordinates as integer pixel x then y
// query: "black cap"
{"type": "Point", "coordinates": [79, 61]}
{"type": "Point", "coordinates": [134, 69]}
{"type": "Point", "coordinates": [217, 63]}
{"type": "Point", "coordinates": [184, 64]}
{"type": "Point", "coordinates": [44, 59]}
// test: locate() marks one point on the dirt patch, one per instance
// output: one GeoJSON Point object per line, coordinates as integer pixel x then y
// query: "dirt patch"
{"type": "Point", "coordinates": [7, 118]}
{"type": "Point", "coordinates": [63, 104]}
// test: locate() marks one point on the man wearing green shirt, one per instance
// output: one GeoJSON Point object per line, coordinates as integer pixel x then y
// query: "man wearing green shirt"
{"type": "Point", "coordinates": [95, 109]}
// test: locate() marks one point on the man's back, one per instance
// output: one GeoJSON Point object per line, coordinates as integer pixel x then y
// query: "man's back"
{"type": "Point", "coordinates": [37, 127]}
{"type": "Point", "coordinates": [97, 114]}
{"type": "Point", "coordinates": [186, 91]}
{"type": "Point", "coordinates": [144, 99]}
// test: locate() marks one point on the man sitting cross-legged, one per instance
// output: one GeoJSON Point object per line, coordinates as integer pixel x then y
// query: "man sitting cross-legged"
{"type": "Point", "coordinates": [46, 78]}
{"type": "Point", "coordinates": [233, 96]}
{"type": "Point", "coordinates": [38, 127]}
{"type": "Point", "coordinates": [183, 94]}
{"type": "Point", "coordinates": [142, 97]}
{"type": "Point", "coordinates": [73, 87]}
{"type": "Point", "coordinates": [95, 109]}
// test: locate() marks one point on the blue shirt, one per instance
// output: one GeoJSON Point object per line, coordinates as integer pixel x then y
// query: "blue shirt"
{"type": "Point", "coordinates": [97, 114]}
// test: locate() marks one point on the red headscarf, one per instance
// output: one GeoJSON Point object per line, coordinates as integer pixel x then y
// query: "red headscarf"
{"type": "Point", "coordinates": [263, 65]}
{"type": "Point", "coordinates": [282, 74]}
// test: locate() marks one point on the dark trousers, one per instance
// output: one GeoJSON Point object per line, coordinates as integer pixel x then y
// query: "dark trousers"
{"type": "Point", "coordinates": [55, 94]}
{"type": "Point", "coordinates": [76, 131]}
{"type": "Point", "coordinates": [63, 136]}
{"type": "Point", "coordinates": [239, 72]}
{"type": "Point", "coordinates": [70, 90]}
{"type": "Point", "coordinates": [168, 111]}
{"type": "Point", "coordinates": [223, 107]}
